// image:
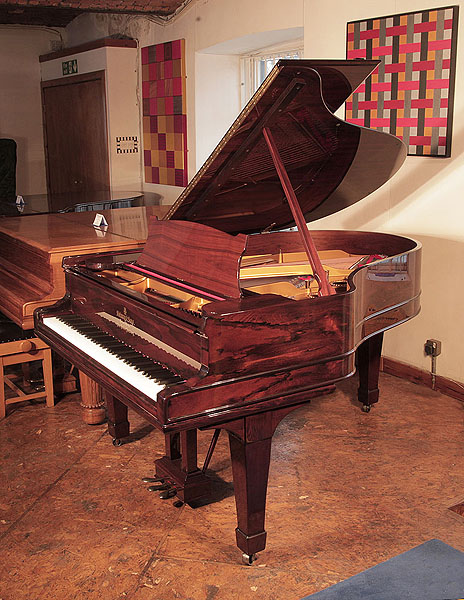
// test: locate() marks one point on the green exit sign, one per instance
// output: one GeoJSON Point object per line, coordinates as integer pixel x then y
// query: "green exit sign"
{"type": "Point", "coordinates": [69, 67]}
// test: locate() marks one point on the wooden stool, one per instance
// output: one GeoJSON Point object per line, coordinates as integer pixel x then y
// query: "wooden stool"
{"type": "Point", "coordinates": [25, 351]}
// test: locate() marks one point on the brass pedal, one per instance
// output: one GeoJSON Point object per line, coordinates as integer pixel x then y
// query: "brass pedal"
{"type": "Point", "coordinates": [169, 493]}
{"type": "Point", "coordinates": [157, 488]}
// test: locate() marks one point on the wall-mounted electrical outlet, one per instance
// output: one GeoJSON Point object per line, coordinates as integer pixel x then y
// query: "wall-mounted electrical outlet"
{"type": "Point", "coordinates": [432, 347]}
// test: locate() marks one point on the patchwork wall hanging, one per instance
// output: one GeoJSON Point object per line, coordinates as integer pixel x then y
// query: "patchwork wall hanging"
{"type": "Point", "coordinates": [164, 113]}
{"type": "Point", "coordinates": [410, 94]}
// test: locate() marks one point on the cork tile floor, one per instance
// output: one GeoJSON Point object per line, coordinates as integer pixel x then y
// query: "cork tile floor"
{"type": "Point", "coordinates": [347, 490]}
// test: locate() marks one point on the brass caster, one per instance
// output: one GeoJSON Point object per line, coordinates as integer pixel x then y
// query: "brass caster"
{"type": "Point", "coordinates": [178, 504]}
{"type": "Point", "coordinates": [366, 408]}
{"type": "Point", "coordinates": [248, 559]}
{"type": "Point", "coordinates": [117, 442]}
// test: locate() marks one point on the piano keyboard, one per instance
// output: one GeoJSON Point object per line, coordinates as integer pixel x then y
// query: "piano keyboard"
{"type": "Point", "coordinates": [141, 372]}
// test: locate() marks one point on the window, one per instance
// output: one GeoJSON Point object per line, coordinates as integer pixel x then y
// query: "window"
{"type": "Point", "coordinates": [256, 67]}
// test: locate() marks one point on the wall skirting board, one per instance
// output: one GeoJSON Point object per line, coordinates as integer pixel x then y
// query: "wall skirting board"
{"type": "Point", "coordinates": [405, 371]}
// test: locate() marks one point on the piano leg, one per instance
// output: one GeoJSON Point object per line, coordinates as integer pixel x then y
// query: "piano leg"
{"type": "Point", "coordinates": [172, 445]}
{"type": "Point", "coordinates": [183, 446]}
{"type": "Point", "coordinates": [92, 401]}
{"type": "Point", "coordinates": [250, 467]}
{"type": "Point", "coordinates": [250, 441]}
{"type": "Point", "coordinates": [118, 425]}
{"type": "Point", "coordinates": [368, 363]}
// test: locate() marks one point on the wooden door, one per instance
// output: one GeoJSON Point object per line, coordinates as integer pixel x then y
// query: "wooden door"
{"type": "Point", "coordinates": [76, 139]}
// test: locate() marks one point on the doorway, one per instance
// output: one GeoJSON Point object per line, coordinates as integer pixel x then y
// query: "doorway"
{"type": "Point", "coordinates": [76, 135]}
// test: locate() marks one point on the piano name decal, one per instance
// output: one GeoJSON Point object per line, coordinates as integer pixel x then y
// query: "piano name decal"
{"type": "Point", "coordinates": [124, 316]}
{"type": "Point", "coordinates": [128, 325]}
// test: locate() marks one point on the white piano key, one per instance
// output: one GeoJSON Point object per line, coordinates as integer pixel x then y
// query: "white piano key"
{"type": "Point", "coordinates": [123, 370]}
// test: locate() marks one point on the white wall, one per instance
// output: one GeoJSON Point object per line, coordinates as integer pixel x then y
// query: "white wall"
{"type": "Point", "coordinates": [220, 20]}
{"type": "Point", "coordinates": [217, 100]}
{"type": "Point", "coordinates": [20, 101]}
{"type": "Point", "coordinates": [124, 99]}
{"type": "Point", "coordinates": [424, 200]}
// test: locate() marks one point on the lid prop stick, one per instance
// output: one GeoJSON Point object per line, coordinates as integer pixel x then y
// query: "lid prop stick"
{"type": "Point", "coordinates": [325, 289]}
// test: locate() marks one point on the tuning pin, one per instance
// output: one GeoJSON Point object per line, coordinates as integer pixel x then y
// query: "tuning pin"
{"type": "Point", "coordinates": [152, 480]}
{"type": "Point", "coordinates": [168, 494]}
{"type": "Point", "coordinates": [156, 488]}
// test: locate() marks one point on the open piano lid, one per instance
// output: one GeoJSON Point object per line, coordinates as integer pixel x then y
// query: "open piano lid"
{"type": "Point", "coordinates": [331, 164]}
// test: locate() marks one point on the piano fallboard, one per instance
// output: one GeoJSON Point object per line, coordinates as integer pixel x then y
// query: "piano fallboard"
{"type": "Point", "coordinates": [174, 341]}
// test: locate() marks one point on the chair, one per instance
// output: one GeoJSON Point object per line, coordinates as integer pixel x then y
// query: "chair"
{"type": "Point", "coordinates": [7, 169]}
{"type": "Point", "coordinates": [20, 347]}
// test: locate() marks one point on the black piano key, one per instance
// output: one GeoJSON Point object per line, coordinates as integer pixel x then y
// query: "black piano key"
{"type": "Point", "coordinates": [154, 371]}
{"type": "Point", "coordinates": [127, 353]}
{"type": "Point", "coordinates": [74, 320]}
{"type": "Point", "coordinates": [99, 336]}
{"type": "Point", "coordinates": [144, 361]}
{"type": "Point", "coordinates": [142, 366]}
{"type": "Point", "coordinates": [157, 372]}
{"type": "Point", "coordinates": [138, 361]}
{"type": "Point", "coordinates": [112, 344]}
{"type": "Point", "coordinates": [70, 318]}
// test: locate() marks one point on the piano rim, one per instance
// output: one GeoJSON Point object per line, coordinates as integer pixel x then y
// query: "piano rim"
{"type": "Point", "coordinates": [74, 265]}
{"type": "Point", "coordinates": [210, 417]}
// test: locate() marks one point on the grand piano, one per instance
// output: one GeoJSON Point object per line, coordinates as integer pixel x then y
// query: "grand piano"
{"type": "Point", "coordinates": [229, 319]}
{"type": "Point", "coordinates": [69, 202]}
{"type": "Point", "coordinates": [32, 247]}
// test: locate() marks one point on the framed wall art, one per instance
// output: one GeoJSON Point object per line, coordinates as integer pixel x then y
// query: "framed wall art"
{"type": "Point", "coordinates": [164, 113]}
{"type": "Point", "coordinates": [410, 94]}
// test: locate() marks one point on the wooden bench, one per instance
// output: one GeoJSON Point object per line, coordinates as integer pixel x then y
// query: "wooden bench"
{"type": "Point", "coordinates": [22, 351]}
